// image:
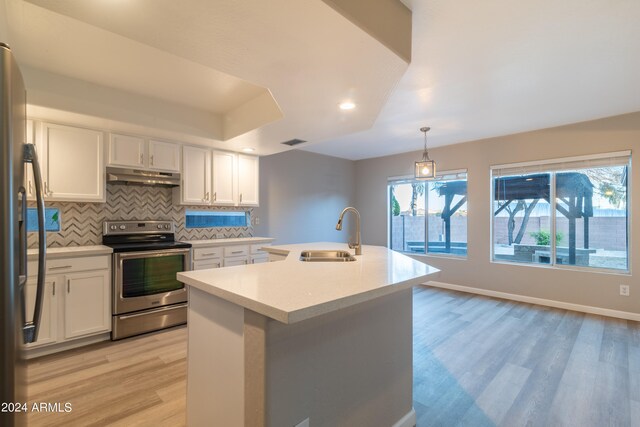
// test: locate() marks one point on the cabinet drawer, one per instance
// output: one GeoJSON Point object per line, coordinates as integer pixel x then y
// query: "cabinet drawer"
{"type": "Point", "coordinates": [64, 265]}
{"type": "Point", "coordinates": [207, 253]}
{"type": "Point", "coordinates": [240, 260]}
{"type": "Point", "coordinates": [67, 265]}
{"type": "Point", "coordinates": [255, 249]}
{"type": "Point", "coordinates": [205, 264]}
{"type": "Point", "coordinates": [233, 251]}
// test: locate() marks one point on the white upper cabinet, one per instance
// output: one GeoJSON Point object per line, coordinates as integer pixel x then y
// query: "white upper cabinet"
{"type": "Point", "coordinates": [136, 152]}
{"type": "Point", "coordinates": [73, 163]}
{"type": "Point", "coordinates": [224, 178]}
{"type": "Point", "coordinates": [248, 180]}
{"type": "Point", "coordinates": [196, 176]}
{"type": "Point", "coordinates": [164, 156]}
{"type": "Point", "coordinates": [126, 151]}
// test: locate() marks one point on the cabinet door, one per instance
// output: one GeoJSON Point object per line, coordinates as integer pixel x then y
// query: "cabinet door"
{"type": "Point", "coordinates": [48, 321]}
{"type": "Point", "coordinates": [74, 167]}
{"type": "Point", "coordinates": [87, 308]}
{"type": "Point", "coordinates": [126, 151]}
{"type": "Point", "coordinates": [164, 156]}
{"type": "Point", "coordinates": [248, 180]}
{"type": "Point", "coordinates": [257, 259]}
{"type": "Point", "coordinates": [224, 178]}
{"type": "Point", "coordinates": [196, 176]}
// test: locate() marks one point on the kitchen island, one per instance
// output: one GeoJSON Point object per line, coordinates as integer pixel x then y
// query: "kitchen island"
{"type": "Point", "coordinates": [276, 343]}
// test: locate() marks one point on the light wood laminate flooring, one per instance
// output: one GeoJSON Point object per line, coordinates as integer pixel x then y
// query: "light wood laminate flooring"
{"type": "Point", "coordinates": [478, 361]}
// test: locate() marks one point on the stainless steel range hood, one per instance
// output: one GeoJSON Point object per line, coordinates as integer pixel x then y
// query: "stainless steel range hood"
{"type": "Point", "coordinates": [141, 177]}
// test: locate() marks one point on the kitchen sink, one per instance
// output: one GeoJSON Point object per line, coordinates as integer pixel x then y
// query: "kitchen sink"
{"type": "Point", "coordinates": [326, 256]}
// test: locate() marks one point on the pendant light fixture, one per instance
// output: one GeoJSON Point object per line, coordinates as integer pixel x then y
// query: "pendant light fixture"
{"type": "Point", "coordinates": [426, 168]}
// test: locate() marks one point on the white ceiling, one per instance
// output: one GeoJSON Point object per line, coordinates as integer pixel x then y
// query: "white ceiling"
{"type": "Point", "coordinates": [217, 58]}
{"type": "Point", "coordinates": [478, 69]}
{"type": "Point", "coordinates": [487, 68]}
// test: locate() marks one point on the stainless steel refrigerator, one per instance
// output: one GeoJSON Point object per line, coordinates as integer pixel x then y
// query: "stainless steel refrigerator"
{"type": "Point", "coordinates": [15, 329]}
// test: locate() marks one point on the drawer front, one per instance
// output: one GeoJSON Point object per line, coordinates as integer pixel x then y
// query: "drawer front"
{"type": "Point", "coordinates": [233, 261]}
{"type": "Point", "coordinates": [205, 264]}
{"type": "Point", "coordinates": [63, 265]}
{"type": "Point", "coordinates": [207, 253]}
{"type": "Point", "coordinates": [255, 249]}
{"type": "Point", "coordinates": [67, 265]}
{"type": "Point", "coordinates": [233, 251]}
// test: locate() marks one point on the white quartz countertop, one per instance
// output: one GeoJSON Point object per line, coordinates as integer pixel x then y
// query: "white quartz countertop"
{"type": "Point", "coordinates": [232, 241]}
{"type": "Point", "coordinates": [292, 290]}
{"type": "Point", "coordinates": [71, 251]}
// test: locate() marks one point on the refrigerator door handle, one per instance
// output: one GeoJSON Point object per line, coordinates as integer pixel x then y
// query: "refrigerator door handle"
{"type": "Point", "coordinates": [31, 327]}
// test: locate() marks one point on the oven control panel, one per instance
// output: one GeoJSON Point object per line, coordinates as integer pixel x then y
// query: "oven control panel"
{"type": "Point", "coordinates": [111, 228]}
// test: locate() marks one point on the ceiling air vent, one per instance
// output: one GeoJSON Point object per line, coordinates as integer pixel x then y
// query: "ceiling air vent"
{"type": "Point", "coordinates": [293, 142]}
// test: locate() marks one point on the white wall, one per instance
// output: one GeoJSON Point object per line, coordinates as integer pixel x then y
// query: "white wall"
{"type": "Point", "coordinates": [586, 288]}
{"type": "Point", "coordinates": [302, 195]}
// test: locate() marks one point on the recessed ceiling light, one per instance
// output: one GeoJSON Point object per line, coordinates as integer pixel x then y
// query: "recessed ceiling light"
{"type": "Point", "coordinates": [248, 150]}
{"type": "Point", "coordinates": [348, 105]}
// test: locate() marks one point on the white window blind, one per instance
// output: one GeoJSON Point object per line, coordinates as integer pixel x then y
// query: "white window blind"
{"type": "Point", "coordinates": [620, 158]}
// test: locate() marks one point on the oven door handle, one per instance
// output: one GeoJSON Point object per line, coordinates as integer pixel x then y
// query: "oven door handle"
{"type": "Point", "coordinates": [148, 254]}
{"type": "Point", "coordinates": [155, 310]}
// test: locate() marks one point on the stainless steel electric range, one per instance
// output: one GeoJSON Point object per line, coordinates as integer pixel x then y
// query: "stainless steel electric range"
{"type": "Point", "coordinates": [146, 294]}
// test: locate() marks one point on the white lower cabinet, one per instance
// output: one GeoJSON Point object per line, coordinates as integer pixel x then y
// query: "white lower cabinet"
{"type": "Point", "coordinates": [86, 303]}
{"type": "Point", "coordinates": [228, 255]}
{"type": "Point", "coordinates": [77, 299]}
{"type": "Point", "coordinates": [49, 318]}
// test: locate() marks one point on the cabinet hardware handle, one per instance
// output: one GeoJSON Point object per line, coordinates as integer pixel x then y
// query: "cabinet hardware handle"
{"type": "Point", "coordinates": [236, 252]}
{"type": "Point", "coordinates": [246, 262]}
{"type": "Point", "coordinates": [47, 190]}
{"type": "Point", "coordinates": [207, 196]}
{"type": "Point", "coordinates": [240, 197]}
{"type": "Point", "coordinates": [151, 159]}
{"type": "Point", "coordinates": [210, 253]}
{"type": "Point", "coordinates": [60, 267]}
{"type": "Point", "coordinates": [54, 289]}
{"type": "Point", "coordinates": [215, 196]}
{"type": "Point", "coordinates": [68, 286]}
{"type": "Point", "coordinates": [141, 158]}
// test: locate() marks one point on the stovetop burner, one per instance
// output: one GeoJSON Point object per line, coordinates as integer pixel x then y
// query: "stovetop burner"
{"type": "Point", "coordinates": [130, 236]}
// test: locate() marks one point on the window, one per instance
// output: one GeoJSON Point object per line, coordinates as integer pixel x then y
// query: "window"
{"type": "Point", "coordinates": [208, 219]}
{"type": "Point", "coordinates": [587, 226]}
{"type": "Point", "coordinates": [434, 212]}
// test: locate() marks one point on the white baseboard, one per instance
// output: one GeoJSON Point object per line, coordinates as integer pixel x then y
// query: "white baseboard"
{"type": "Point", "coordinates": [409, 420]}
{"type": "Point", "coordinates": [540, 301]}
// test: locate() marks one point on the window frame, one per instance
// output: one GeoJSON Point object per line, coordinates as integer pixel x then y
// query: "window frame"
{"type": "Point", "coordinates": [408, 179]}
{"type": "Point", "coordinates": [547, 165]}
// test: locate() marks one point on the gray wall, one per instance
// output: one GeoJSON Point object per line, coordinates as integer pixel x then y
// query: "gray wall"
{"type": "Point", "coordinates": [302, 195]}
{"type": "Point", "coordinates": [4, 25]}
{"type": "Point", "coordinates": [588, 288]}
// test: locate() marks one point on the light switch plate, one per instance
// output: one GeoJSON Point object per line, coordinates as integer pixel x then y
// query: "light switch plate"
{"type": "Point", "coordinates": [304, 423]}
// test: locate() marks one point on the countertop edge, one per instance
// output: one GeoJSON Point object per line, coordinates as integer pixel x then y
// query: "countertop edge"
{"type": "Point", "coordinates": [71, 251]}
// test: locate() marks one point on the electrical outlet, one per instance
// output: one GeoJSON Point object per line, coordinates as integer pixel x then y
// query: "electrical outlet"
{"type": "Point", "coordinates": [624, 290]}
{"type": "Point", "coordinates": [304, 423]}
